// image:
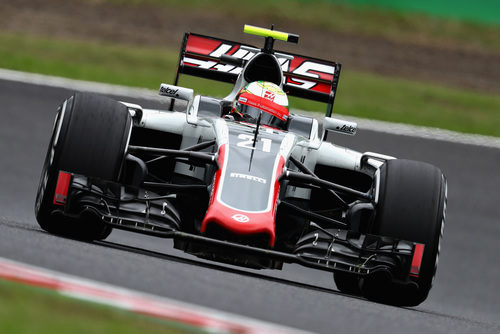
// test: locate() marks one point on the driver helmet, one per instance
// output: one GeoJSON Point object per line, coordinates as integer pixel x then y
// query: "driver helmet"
{"type": "Point", "coordinates": [265, 99]}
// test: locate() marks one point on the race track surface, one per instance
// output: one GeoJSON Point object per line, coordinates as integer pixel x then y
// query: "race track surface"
{"type": "Point", "coordinates": [465, 298]}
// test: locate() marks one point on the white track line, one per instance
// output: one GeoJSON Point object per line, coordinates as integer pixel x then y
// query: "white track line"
{"type": "Point", "coordinates": [80, 85]}
{"type": "Point", "coordinates": [204, 318]}
{"type": "Point", "coordinates": [378, 126]}
{"type": "Point", "coordinates": [424, 132]}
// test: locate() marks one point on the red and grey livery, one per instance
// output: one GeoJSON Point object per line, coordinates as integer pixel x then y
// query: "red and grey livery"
{"type": "Point", "coordinates": [246, 194]}
{"type": "Point", "coordinates": [246, 187]}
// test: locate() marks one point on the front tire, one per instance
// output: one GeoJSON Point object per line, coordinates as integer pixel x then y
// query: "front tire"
{"type": "Point", "coordinates": [411, 206]}
{"type": "Point", "coordinates": [89, 137]}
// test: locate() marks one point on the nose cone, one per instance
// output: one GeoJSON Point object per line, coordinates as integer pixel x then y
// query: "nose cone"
{"type": "Point", "coordinates": [244, 200]}
{"type": "Point", "coordinates": [240, 224]}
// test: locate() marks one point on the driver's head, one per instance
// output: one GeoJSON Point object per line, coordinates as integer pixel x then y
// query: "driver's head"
{"type": "Point", "coordinates": [262, 97]}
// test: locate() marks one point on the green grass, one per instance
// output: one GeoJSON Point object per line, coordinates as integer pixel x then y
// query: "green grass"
{"type": "Point", "coordinates": [404, 101]}
{"type": "Point", "coordinates": [359, 94]}
{"type": "Point", "coordinates": [482, 11]}
{"type": "Point", "coordinates": [341, 17]}
{"type": "Point", "coordinates": [25, 309]}
{"type": "Point", "coordinates": [86, 60]}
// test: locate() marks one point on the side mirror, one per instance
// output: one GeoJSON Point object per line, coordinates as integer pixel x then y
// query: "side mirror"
{"type": "Point", "coordinates": [340, 126]}
{"type": "Point", "coordinates": [192, 113]}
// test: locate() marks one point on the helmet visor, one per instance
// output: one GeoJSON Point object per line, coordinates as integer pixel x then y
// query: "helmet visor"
{"type": "Point", "coordinates": [251, 115]}
{"type": "Point", "coordinates": [273, 114]}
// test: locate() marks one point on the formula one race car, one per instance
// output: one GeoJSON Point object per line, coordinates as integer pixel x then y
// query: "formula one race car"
{"type": "Point", "coordinates": [243, 181]}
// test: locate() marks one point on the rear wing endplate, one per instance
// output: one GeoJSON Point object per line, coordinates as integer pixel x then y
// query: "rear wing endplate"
{"type": "Point", "coordinates": [305, 77]}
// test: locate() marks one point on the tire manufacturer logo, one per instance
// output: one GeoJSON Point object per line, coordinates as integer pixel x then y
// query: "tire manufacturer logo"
{"type": "Point", "coordinates": [241, 218]}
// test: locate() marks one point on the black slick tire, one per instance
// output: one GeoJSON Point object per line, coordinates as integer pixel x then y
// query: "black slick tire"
{"type": "Point", "coordinates": [89, 137]}
{"type": "Point", "coordinates": [411, 206]}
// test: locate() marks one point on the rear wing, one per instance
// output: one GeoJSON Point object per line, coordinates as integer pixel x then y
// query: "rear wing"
{"type": "Point", "coordinates": [305, 77]}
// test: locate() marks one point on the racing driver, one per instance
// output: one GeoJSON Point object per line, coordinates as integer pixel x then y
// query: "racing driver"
{"type": "Point", "coordinates": [261, 99]}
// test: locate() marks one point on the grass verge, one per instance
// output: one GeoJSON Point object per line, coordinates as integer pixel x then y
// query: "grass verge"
{"type": "Point", "coordinates": [359, 94]}
{"type": "Point", "coordinates": [25, 309]}
{"type": "Point", "coordinates": [338, 16]}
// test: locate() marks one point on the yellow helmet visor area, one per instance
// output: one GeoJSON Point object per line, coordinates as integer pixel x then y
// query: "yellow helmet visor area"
{"type": "Point", "coordinates": [279, 35]}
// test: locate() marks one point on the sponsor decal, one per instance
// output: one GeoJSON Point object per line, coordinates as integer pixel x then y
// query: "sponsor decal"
{"type": "Point", "coordinates": [268, 95]}
{"type": "Point", "coordinates": [300, 66]}
{"type": "Point", "coordinates": [165, 90]}
{"type": "Point", "coordinates": [266, 105]}
{"type": "Point", "coordinates": [248, 177]}
{"type": "Point", "coordinates": [347, 128]}
{"type": "Point", "coordinates": [241, 218]}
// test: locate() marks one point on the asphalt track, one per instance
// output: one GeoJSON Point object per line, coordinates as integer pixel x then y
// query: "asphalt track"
{"type": "Point", "coordinates": [465, 297]}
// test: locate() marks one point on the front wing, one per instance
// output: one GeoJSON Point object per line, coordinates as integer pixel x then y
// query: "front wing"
{"type": "Point", "coordinates": [334, 250]}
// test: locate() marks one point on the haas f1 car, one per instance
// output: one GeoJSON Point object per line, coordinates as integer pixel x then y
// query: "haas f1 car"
{"type": "Point", "coordinates": [241, 180]}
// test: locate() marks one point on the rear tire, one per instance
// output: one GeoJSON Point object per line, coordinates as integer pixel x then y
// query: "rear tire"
{"type": "Point", "coordinates": [347, 283]}
{"type": "Point", "coordinates": [89, 137]}
{"type": "Point", "coordinates": [411, 206]}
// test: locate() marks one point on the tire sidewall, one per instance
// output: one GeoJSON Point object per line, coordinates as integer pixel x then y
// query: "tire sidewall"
{"type": "Point", "coordinates": [50, 170]}
{"type": "Point", "coordinates": [428, 231]}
